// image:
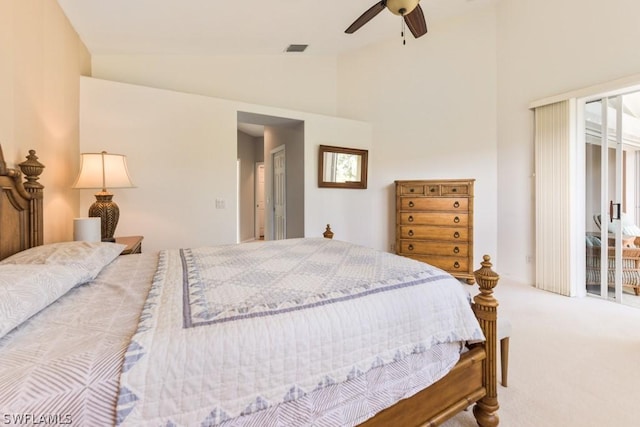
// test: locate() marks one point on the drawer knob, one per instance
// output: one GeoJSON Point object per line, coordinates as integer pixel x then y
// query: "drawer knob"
{"type": "Point", "coordinates": [410, 247]}
{"type": "Point", "coordinates": [411, 204]}
{"type": "Point", "coordinates": [410, 219]}
{"type": "Point", "coordinates": [432, 190]}
{"type": "Point", "coordinates": [456, 250]}
{"type": "Point", "coordinates": [456, 204]}
{"type": "Point", "coordinates": [410, 233]}
{"type": "Point", "coordinates": [454, 190]}
{"type": "Point", "coordinates": [456, 235]}
{"type": "Point", "coordinates": [456, 220]}
{"type": "Point", "coordinates": [411, 190]}
{"type": "Point", "coordinates": [456, 264]}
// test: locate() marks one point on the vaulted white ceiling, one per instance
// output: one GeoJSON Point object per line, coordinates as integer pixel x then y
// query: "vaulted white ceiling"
{"type": "Point", "coordinates": [249, 27]}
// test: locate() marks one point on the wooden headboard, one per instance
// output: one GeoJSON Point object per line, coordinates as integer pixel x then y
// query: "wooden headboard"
{"type": "Point", "coordinates": [20, 206]}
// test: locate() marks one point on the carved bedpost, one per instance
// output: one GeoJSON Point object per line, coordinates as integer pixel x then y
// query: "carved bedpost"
{"type": "Point", "coordinates": [486, 308]}
{"type": "Point", "coordinates": [328, 234]}
{"type": "Point", "coordinates": [32, 168]}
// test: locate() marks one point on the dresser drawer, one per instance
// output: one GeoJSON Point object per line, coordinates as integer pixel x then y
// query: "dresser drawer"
{"type": "Point", "coordinates": [453, 189]}
{"type": "Point", "coordinates": [411, 189]}
{"type": "Point", "coordinates": [439, 204]}
{"type": "Point", "coordinates": [435, 218]}
{"type": "Point", "coordinates": [434, 233]}
{"type": "Point", "coordinates": [451, 264]}
{"type": "Point", "coordinates": [427, 247]}
{"type": "Point", "coordinates": [415, 189]}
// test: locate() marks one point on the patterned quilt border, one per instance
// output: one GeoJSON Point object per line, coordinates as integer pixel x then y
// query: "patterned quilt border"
{"type": "Point", "coordinates": [189, 271]}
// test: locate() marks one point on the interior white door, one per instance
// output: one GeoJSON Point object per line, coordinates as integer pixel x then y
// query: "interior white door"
{"type": "Point", "coordinates": [279, 193]}
{"type": "Point", "coordinates": [259, 215]}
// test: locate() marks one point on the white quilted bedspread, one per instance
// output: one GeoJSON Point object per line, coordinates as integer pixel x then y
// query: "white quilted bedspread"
{"type": "Point", "coordinates": [232, 330]}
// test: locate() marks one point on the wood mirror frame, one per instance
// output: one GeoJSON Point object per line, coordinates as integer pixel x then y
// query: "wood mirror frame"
{"type": "Point", "coordinates": [325, 181]}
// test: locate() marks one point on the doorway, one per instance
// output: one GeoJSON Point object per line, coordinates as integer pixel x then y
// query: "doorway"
{"type": "Point", "coordinates": [258, 136]}
{"type": "Point", "coordinates": [612, 186]}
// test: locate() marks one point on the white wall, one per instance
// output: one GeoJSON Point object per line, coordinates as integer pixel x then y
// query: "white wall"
{"type": "Point", "coordinates": [293, 81]}
{"type": "Point", "coordinates": [547, 47]}
{"type": "Point", "coordinates": [182, 150]}
{"type": "Point", "coordinates": [349, 211]}
{"type": "Point", "coordinates": [432, 104]}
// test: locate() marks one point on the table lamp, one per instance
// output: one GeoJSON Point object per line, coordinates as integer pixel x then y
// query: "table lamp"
{"type": "Point", "coordinates": [104, 170]}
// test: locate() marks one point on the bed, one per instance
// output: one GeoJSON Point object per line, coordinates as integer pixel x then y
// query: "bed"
{"type": "Point", "coordinates": [309, 331]}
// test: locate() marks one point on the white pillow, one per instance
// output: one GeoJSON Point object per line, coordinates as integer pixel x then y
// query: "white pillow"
{"type": "Point", "coordinates": [25, 289]}
{"type": "Point", "coordinates": [90, 256]}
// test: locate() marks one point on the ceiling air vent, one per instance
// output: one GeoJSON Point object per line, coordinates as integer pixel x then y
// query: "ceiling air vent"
{"type": "Point", "coordinates": [296, 47]}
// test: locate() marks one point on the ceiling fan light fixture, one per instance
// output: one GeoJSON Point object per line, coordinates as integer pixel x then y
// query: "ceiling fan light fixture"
{"type": "Point", "coordinates": [410, 11]}
{"type": "Point", "coordinates": [401, 7]}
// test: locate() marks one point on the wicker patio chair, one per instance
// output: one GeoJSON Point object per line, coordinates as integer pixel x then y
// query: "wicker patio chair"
{"type": "Point", "coordinates": [630, 260]}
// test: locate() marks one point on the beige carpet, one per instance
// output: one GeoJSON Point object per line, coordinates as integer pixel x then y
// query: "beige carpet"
{"type": "Point", "coordinates": [573, 361]}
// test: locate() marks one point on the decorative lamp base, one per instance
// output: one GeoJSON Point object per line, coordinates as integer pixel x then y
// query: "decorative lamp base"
{"type": "Point", "coordinates": [108, 212]}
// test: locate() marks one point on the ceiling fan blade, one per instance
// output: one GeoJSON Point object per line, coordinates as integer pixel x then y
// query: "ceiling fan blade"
{"type": "Point", "coordinates": [366, 17]}
{"type": "Point", "coordinates": [416, 23]}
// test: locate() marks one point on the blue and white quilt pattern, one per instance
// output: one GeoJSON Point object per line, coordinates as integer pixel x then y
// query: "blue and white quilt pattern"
{"type": "Point", "coordinates": [228, 283]}
{"type": "Point", "coordinates": [232, 330]}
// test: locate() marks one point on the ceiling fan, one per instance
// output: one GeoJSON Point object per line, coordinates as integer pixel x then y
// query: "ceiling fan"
{"type": "Point", "coordinates": [410, 10]}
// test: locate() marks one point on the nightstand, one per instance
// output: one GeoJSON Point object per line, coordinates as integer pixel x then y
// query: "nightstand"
{"type": "Point", "coordinates": [134, 244]}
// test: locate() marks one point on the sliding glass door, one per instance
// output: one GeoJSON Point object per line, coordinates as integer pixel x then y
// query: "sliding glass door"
{"type": "Point", "coordinates": [611, 154]}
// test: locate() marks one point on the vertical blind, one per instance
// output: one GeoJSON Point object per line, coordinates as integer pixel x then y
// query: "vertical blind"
{"type": "Point", "coordinates": [552, 197]}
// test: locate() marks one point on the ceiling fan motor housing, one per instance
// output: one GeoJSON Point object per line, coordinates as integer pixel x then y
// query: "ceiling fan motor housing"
{"type": "Point", "coordinates": [401, 7]}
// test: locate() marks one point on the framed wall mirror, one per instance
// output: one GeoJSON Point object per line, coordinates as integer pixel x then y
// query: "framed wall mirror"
{"type": "Point", "coordinates": [340, 167]}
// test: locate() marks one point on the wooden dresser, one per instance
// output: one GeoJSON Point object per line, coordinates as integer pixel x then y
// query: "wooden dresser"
{"type": "Point", "coordinates": [434, 224]}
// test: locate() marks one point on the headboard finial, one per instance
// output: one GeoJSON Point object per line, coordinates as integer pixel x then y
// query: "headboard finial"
{"type": "Point", "coordinates": [32, 168]}
{"type": "Point", "coordinates": [26, 207]}
{"type": "Point", "coordinates": [328, 234]}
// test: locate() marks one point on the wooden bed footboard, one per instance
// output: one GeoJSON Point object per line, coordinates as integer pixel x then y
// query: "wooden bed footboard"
{"type": "Point", "coordinates": [472, 380]}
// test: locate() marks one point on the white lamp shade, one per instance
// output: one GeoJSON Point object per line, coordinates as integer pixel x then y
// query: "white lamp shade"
{"type": "Point", "coordinates": [103, 170]}
{"type": "Point", "coordinates": [87, 229]}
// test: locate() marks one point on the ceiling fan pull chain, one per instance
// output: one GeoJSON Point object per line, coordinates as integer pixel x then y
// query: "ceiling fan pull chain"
{"type": "Point", "coordinates": [402, 31]}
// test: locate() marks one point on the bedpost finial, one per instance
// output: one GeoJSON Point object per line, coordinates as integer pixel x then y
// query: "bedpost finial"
{"type": "Point", "coordinates": [328, 234]}
{"type": "Point", "coordinates": [32, 168]}
{"type": "Point", "coordinates": [487, 278]}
